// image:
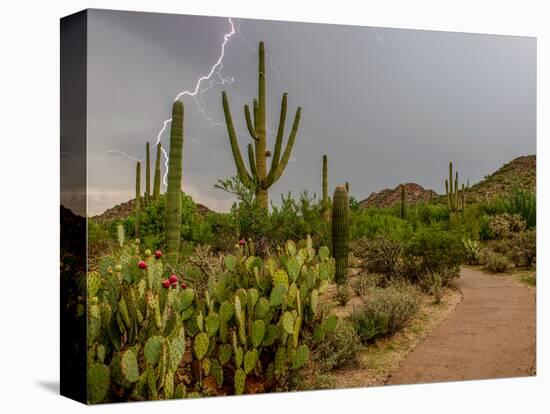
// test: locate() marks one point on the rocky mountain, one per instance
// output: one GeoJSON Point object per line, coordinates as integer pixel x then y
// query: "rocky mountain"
{"type": "Point", "coordinates": [389, 197]}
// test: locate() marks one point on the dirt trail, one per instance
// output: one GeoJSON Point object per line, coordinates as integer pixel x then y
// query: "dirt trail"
{"type": "Point", "coordinates": [491, 334]}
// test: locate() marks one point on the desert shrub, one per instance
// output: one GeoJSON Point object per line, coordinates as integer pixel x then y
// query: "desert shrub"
{"type": "Point", "coordinates": [99, 238]}
{"type": "Point", "coordinates": [343, 294]}
{"type": "Point", "coordinates": [472, 249]}
{"type": "Point", "coordinates": [194, 227]}
{"type": "Point", "coordinates": [385, 311]}
{"type": "Point", "coordinates": [522, 248]}
{"type": "Point", "coordinates": [428, 214]}
{"type": "Point", "coordinates": [380, 255]}
{"type": "Point", "coordinates": [438, 251]}
{"type": "Point", "coordinates": [521, 202]}
{"type": "Point", "coordinates": [338, 347]}
{"type": "Point", "coordinates": [504, 225]}
{"type": "Point", "coordinates": [372, 222]}
{"type": "Point", "coordinates": [365, 283]}
{"type": "Point", "coordinates": [496, 262]}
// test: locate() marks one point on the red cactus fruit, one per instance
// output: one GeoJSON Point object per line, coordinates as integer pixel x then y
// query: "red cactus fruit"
{"type": "Point", "coordinates": [166, 283]}
{"type": "Point", "coordinates": [242, 242]}
{"type": "Point", "coordinates": [142, 264]}
{"type": "Point", "coordinates": [158, 254]}
{"type": "Point", "coordinates": [183, 285]}
{"type": "Point", "coordinates": [173, 279]}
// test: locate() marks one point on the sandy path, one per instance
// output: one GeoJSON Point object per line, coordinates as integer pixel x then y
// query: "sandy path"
{"type": "Point", "coordinates": [491, 334]}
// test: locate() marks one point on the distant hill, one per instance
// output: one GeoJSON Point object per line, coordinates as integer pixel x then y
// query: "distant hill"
{"type": "Point", "coordinates": [520, 172]}
{"type": "Point", "coordinates": [389, 197]}
{"type": "Point", "coordinates": [123, 210]}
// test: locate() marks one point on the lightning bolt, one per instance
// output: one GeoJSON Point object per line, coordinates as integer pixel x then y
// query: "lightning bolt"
{"type": "Point", "coordinates": [213, 78]}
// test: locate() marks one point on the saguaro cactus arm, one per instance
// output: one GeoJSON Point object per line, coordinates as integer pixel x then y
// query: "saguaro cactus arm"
{"type": "Point", "coordinates": [249, 123]}
{"type": "Point", "coordinates": [275, 174]}
{"type": "Point", "coordinates": [241, 169]}
{"type": "Point", "coordinates": [252, 162]}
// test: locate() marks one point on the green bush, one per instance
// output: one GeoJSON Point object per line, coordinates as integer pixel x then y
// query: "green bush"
{"type": "Point", "coordinates": [380, 255]}
{"type": "Point", "coordinates": [522, 248]}
{"type": "Point", "coordinates": [438, 251]}
{"type": "Point", "coordinates": [385, 311]}
{"type": "Point", "coordinates": [194, 227]}
{"type": "Point", "coordinates": [337, 348]}
{"type": "Point", "coordinates": [373, 222]}
{"type": "Point", "coordinates": [496, 262]}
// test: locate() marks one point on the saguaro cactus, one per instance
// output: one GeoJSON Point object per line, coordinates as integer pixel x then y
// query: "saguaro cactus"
{"type": "Point", "coordinates": [340, 232]}
{"type": "Point", "coordinates": [403, 200]}
{"type": "Point", "coordinates": [147, 175]}
{"type": "Point", "coordinates": [451, 190]}
{"type": "Point", "coordinates": [156, 183]}
{"type": "Point", "coordinates": [173, 193]}
{"type": "Point", "coordinates": [138, 200]}
{"type": "Point", "coordinates": [259, 179]}
{"type": "Point", "coordinates": [326, 205]}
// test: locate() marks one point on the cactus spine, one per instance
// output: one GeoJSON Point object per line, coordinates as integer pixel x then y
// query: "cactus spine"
{"type": "Point", "coordinates": [259, 179]}
{"type": "Point", "coordinates": [173, 193]}
{"type": "Point", "coordinates": [138, 200]}
{"type": "Point", "coordinates": [156, 183]}
{"type": "Point", "coordinates": [326, 203]}
{"type": "Point", "coordinates": [147, 175]}
{"type": "Point", "coordinates": [403, 201]}
{"type": "Point", "coordinates": [340, 233]}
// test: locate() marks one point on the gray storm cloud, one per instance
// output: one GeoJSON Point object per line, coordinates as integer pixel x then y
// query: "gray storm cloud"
{"type": "Point", "coordinates": [386, 105]}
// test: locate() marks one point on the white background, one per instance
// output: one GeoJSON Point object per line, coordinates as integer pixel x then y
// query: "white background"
{"type": "Point", "coordinates": [29, 169]}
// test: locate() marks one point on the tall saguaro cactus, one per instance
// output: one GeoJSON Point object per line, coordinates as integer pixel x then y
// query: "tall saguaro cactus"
{"type": "Point", "coordinates": [340, 232]}
{"type": "Point", "coordinates": [403, 201]}
{"type": "Point", "coordinates": [138, 200]}
{"type": "Point", "coordinates": [259, 178]}
{"type": "Point", "coordinates": [173, 193]}
{"type": "Point", "coordinates": [326, 205]}
{"type": "Point", "coordinates": [451, 190]}
{"type": "Point", "coordinates": [156, 182]}
{"type": "Point", "coordinates": [147, 175]}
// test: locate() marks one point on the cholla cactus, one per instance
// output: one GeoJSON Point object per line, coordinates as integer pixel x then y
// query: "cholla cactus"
{"type": "Point", "coordinates": [120, 235]}
{"type": "Point", "coordinates": [259, 179]}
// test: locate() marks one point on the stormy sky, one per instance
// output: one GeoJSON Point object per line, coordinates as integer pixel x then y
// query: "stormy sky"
{"type": "Point", "coordinates": [387, 105]}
